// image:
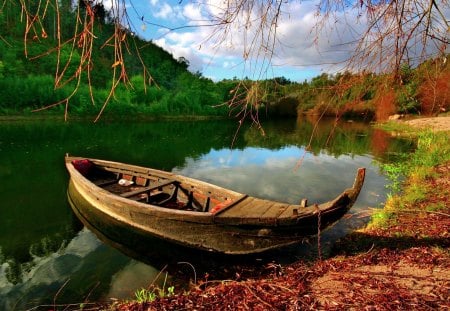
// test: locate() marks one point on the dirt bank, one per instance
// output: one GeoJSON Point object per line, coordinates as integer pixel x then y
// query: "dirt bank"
{"type": "Point", "coordinates": [434, 123]}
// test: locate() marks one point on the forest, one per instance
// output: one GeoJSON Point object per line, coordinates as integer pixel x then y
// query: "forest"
{"type": "Point", "coordinates": [36, 75]}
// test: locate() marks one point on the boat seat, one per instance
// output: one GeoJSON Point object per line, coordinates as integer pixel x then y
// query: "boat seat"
{"type": "Point", "coordinates": [104, 183]}
{"type": "Point", "coordinates": [149, 188]}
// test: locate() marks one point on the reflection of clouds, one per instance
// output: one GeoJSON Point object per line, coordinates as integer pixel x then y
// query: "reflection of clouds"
{"type": "Point", "coordinates": [75, 263]}
{"type": "Point", "coordinates": [276, 175]}
{"type": "Point", "coordinates": [46, 273]}
{"type": "Point", "coordinates": [132, 277]}
{"type": "Point", "coordinates": [274, 163]}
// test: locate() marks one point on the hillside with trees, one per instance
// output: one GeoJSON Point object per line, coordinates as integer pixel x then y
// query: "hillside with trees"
{"type": "Point", "coordinates": [49, 59]}
{"type": "Point", "coordinates": [33, 74]}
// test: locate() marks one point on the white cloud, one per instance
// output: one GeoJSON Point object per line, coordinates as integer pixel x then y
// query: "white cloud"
{"type": "Point", "coordinates": [295, 46]}
{"type": "Point", "coordinates": [164, 11]}
{"type": "Point", "coordinates": [229, 64]}
{"type": "Point", "coordinates": [107, 4]}
{"type": "Point", "coordinates": [192, 12]}
{"type": "Point", "coordinates": [181, 49]}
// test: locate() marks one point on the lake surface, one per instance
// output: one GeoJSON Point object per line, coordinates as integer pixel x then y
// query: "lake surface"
{"type": "Point", "coordinates": [47, 257]}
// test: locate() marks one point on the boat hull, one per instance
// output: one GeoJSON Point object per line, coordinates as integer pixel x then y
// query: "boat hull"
{"type": "Point", "coordinates": [208, 237]}
{"type": "Point", "coordinates": [138, 224]}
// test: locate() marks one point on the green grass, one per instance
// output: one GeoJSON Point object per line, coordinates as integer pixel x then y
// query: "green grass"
{"type": "Point", "coordinates": [436, 207]}
{"type": "Point", "coordinates": [409, 175]}
{"type": "Point", "coordinates": [382, 219]}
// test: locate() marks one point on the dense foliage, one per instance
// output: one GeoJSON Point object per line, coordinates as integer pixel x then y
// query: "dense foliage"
{"type": "Point", "coordinates": [28, 71]}
{"type": "Point", "coordinates": [34, 74]}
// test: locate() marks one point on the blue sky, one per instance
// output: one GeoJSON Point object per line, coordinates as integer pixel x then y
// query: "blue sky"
{"type": "Point", "coordinates": [179, 27]}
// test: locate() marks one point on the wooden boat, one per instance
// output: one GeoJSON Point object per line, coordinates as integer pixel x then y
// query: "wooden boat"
{"type": "Point", "coordinates": [145, 202]}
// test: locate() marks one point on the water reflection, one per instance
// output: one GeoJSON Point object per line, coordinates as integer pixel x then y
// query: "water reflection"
{"type": "Point", "coordinates": [41, 247]}
{"type": "Point", "coordinates": [135, 275]}
{"type": "Point", "coordinates": [285, 175]}
{"type": "Point", "coordinates": [85, 266]}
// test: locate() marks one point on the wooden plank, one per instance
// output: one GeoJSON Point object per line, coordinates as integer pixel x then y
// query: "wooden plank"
{"type": "Point", "coordinates": [256, 209]}
{"type": "Point", "coordinates": [143, 174]}
{"type": "Point", "coordinates": [263, 212]}
{"type": "Point", "coordinates": [249, 213]}
{"type": "Point", "coordinates": [293, 211]}
{"type": "Point", "coordinates": [237, 208]}
{"type": "Point", "coordinates": [275, 210]}
{"type": "Point", "coordinates": [232, 204]}
{"type": "Point", "coordinates": [104, 183]}
{"type": "Point", "coordinates": [145, 189]}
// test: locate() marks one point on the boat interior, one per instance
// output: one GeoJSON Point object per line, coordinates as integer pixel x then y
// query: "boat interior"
{"type": "Point", "coordinates": [152, 188]}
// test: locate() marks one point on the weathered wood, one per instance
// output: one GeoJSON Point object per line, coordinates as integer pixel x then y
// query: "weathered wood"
{"type": "Point", "coordinates": [146, 189]}
{"type": "Point", "coordinates": [105, 183]}
{"type": "Point", "coordinates": [232, 203]}
{"type": "Point", "coordinates": [275, 210]}
{"type": "Point", "coordinates": [293, 211]}
{"type": "Point", "coordinates": [249, 211]}
{"type": "Point", "coordinates": [243, 225]}
{"type": "Point", "coordinates": [149, 174]}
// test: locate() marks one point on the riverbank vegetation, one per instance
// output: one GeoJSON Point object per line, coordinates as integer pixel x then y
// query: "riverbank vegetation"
{"type": "Point", "coordinates": [408, 196]}
{"type": "Point", "coordinates": [36, 76]}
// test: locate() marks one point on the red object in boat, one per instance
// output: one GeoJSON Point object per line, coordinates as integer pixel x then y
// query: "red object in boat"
{"type": "Point", "coordinates": [82, 166]}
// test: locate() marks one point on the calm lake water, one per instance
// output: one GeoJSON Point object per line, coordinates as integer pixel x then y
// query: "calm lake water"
{"type": "Point", "coordinates": [47, 257]}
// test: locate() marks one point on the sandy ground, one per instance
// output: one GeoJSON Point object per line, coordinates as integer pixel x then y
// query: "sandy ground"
{"type": "Point", "coordinates": [435, 123]}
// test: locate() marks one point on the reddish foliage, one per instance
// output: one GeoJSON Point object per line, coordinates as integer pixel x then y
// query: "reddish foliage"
{"type": "Point", "coordinates": [385, 105]}
{"type": "Point", "coordinates": [434, 94]}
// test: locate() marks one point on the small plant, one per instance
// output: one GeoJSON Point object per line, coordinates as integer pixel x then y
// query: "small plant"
{"type": "Point", "coordinates": [144, 295]}
{"type": "Point", "coordinates": [170, 290]}
{"type": "Point", "coordinates": [394, 172]}
{"type": "Point", "coordinates": [416, 192]}
{"type": "Point", "coordinates": [381, 219]}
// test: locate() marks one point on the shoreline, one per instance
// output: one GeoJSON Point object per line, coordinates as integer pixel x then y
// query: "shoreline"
{"type": "Point", "coordinates": [400, 261]}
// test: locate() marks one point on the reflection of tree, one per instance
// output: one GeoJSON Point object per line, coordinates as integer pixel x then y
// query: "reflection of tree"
{"type": "Point", "coordinates": [327, 136]}
{"type": "Point", "coordinates": [21, 259]}
{"type": "Point", "coordinates": [380, 142]}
